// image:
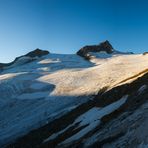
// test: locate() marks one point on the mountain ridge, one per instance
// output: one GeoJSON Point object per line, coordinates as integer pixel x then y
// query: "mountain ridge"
{"type": "Point", "coordinates": [64, 100]}
{"type": "Point", "coordinates": [85, 52]}
{"type": "Point", "coordinates": [29, 57]}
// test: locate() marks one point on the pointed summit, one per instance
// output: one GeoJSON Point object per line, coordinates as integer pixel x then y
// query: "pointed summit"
{"type": "Point", "coordinates": [37, 53]}
{"type": "Point", "coordinates": [103, 46]}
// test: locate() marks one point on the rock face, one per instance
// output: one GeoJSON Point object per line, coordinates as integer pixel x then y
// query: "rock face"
{"type": "Point", "coordinates": [145, 53]}
{"type": "Point", "coordinates": [104, 46]}
{"type": "Point", "coordinates": [28, 57]}
{"type": "Point", "coordinates": [37, 53]}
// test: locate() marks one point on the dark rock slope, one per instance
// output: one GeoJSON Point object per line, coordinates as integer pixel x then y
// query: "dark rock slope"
{"type": "Point", "coordinates": [123, 124]}
{"type": "Point", "coordinates": [37, 53]}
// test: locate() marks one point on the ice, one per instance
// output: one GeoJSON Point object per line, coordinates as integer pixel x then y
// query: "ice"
{"type": "Point", "coordinates": [68, 80]}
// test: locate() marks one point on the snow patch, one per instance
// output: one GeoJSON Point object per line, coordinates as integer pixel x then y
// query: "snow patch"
{"type": "Point", "coordinates": [92, 118]}
{"type": "Point", "coordinates": [142, 88]}
{"type": "Point", "coordinates": [101, 54]}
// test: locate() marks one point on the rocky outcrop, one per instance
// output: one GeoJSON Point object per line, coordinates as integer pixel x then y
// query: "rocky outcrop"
{"type": "Point", "coordinates": [145, 53]}
{"type": "Point", "coordinates": [104, 46]}
{"type": "Point", "coordinates": [37, 53]}
{"type": "Point", "coordinates": [29, 57]}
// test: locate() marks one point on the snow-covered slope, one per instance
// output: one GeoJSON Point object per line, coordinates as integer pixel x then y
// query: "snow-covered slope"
{"type": "Point", "coordinates": [36, 93]}
{"type": "Point", "coordinates": [29, 57]}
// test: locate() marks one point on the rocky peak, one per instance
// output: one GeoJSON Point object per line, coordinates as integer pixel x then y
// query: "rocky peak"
{"type": "Point", "coordinates": [26, 58]}
{"type": "Point", "coordinates": [106, 46]}
{"type": "Point", "coordinates": [37, 53]}
{"type": "Point", "coordinates": [103, 46]}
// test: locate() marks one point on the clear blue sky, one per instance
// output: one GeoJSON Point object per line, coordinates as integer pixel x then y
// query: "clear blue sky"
{"type": "Point", "coordinates": [64, 26]}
